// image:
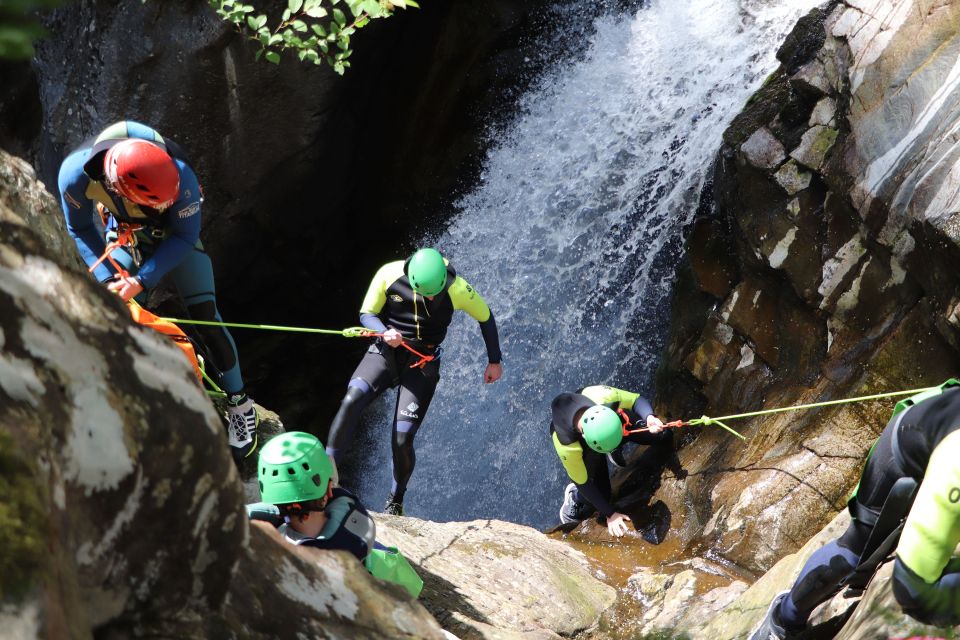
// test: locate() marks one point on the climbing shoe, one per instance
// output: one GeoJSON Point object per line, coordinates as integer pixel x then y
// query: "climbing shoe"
{"type": "Point", "coordinates": [242, 423]}
{"type": "Point", "coordinates": [393, 507]}
{"type": "Point", "coordinates": [573, 511]}
{"type": "Point", "coordinates": [770, 628]}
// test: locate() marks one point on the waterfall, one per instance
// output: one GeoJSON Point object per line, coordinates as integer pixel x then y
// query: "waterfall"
{"type": "Point", "coordinates": [572, 234]}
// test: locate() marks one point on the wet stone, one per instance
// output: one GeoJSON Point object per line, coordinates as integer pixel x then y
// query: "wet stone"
{"type": "Point", "coordinates": [792, 178]}
{"type": "Point", "coordinates": [814, 146]}
{"type": "Point", "coordinates": [763, 150]}
{"type": "Point", "coordinates": [811, 79]}
{"type": "Point", "coordinates": [824, 113]}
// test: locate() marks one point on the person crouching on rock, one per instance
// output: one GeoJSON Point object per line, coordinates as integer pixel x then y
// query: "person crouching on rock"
{"type": "Point", "coordinates": [144, 189]}
{"type": "Point", "coordinates": [295, 477]}
{"type": "Point", "coordinates": [587, 430]}
{"type": "Point", "coordinates": [919, 446]}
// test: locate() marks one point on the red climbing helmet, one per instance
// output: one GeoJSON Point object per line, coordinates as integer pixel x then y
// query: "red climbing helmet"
{"type": "Point", "coordinates": [142, 172]}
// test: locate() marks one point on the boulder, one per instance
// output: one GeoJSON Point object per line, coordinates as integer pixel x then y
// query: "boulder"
{"type": "Point", "coordinates": [491, 579]}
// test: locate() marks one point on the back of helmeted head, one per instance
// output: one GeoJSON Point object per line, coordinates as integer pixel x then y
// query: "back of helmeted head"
{"type": "Point", "coordinates": [427, 272]}
{"type": "Point", "coordinates": [293, 467]}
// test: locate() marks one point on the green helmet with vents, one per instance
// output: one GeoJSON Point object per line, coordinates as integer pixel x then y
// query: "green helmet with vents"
{"type": "Point", "coordinates": [293, 468]}
{"type": "Point", "coordinates": [427, 272]}
{"type": "Point", "coordinates": [602, 428]}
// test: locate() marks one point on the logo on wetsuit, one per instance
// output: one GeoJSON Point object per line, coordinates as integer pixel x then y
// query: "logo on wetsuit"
{"type": "Point", "coordinates": [396, 298]}
{"type": "Point", "coordinates": [410, 411]}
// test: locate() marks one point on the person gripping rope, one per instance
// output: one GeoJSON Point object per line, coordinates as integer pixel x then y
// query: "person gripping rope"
{"type": "Point", "coordinates": [587, 430]}
{"type": "Point", "coordinates": [908, 498]}
{"type": "Point", "coordinates": [134, 178]}
{"type": "Point", "coordinates": [409, 301]}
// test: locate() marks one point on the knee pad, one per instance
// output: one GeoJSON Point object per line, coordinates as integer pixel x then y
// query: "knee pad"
{"type": "Point", "coordinates": [820, 583]}
{"type": "Point", "coordinates": [354, 394]}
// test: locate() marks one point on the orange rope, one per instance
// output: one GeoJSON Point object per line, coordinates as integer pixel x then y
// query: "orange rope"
{"type": "Point", "coordinates": [419, 364]}
{"type": "Point", "coordinates": [125, 234]}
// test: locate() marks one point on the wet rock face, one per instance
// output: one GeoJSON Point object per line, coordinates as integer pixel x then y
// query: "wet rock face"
{"type": "Point", "coordinates": [826, 271]}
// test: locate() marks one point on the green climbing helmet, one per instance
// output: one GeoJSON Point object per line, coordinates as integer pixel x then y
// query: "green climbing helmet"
{"type": "Point", "coordinates": [427, 272]}
{"type": "Point", "coordinates": [293, 468]}
{"type": "Point", "coordinates": [602, 428]}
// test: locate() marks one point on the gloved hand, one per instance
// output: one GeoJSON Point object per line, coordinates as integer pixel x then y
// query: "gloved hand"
{"type": "Point", "coordinates": [617, 524]}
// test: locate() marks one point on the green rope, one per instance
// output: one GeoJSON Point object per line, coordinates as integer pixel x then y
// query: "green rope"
{"type": "Point", "coordinates": [707, 420]}
{"type": "Point", "coordinates": [350, 332]}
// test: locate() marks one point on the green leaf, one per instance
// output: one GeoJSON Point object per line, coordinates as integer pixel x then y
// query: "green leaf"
{"type": "Point", "coordinates": [339, 17]}
{"type": "Point", "coordinates": [343, 43]}
{"type": "Point", "coordinates": [294, 5]}
{"type": "Point", "coordinates": [372, 7]}
{"type": "Point", "coordinates": [273, 56]}
{"type": "Point", "coordinates": [247, 8]}
{"type": "Point", "coordinates": [312, 55]}
{"type": "Point", "coordinates": [258, 54]}
{"type": "Point", "coordinates": [338, 68]}
{"type": "Point", "coordinates": [362, 22]}
{"type": "Point", "coordinates": [323, 46]}
{"type": "Point", "coordinates": [286, 15]}
{"type": "Point", "coordinates": [316, 12]}
{"type": "Point", "coordinates": [319, 30]}
{"type": "Point", "coordinates": [302, 54]}
{"type": "Point", "coordinates": [275, 39]}
{"type": "Point", "coordinates": [299, 25]}
{"type": "Point", "coordinates": [398, 3]}
{"type": "Point", "coordinates": [411, 3]}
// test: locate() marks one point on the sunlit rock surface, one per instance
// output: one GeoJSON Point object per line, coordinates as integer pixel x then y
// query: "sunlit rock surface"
{"type": "Point", "coordinates": [491, 579]}
{"type": "Point", "coordinates": [820, 272]}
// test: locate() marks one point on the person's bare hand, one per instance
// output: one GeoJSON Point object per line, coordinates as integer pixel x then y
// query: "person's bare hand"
{"type": "Point", "coordinates": [126, 288]}
{"type": "Point", "coordinates": [392, 337]}
{"type": "Point", "coordinates": [654, 424]}
{"type": "Point", "coordinates": [617, 524]}
{"type": "Point", "coordinates": [493, 372]}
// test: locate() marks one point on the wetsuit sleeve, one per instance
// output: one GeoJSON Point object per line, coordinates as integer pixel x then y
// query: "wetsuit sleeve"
{"type": "Point", "coordinates": [183, 224]}
{"type": "Point", "coordinates": [78, 213]}
{"type": "Point", "coordinates": [373, 322]}
{"type": "Point", "coordinates": [466, 298]}
{"type": "Point", "coordinates": [932, 529]}
{"type": "Point", "coordinates": [938, 603]}
{"type": "Point", "coordinates": [571, 455]}
{"type": "Point", "coordinates": [376, 293]}
{"type": "Point", "coordinates": [592, 493]}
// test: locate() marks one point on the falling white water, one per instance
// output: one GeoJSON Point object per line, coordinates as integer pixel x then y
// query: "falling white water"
{"type": "Point", "coordinates": [572, 234]}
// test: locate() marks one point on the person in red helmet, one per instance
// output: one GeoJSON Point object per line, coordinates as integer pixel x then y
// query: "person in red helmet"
{"type": "Point", "coordinates": [136, 179]}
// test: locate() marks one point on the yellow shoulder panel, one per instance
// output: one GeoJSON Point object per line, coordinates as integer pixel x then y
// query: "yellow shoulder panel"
{"type": "Point", "coordinates": [466, 298]}
{"type": "Point", "coordinates": [377, 291]}
{"type": "Point", "coordinates": [571, 455]}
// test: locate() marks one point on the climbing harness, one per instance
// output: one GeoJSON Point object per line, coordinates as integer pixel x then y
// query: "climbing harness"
{"type": "Point", "coordinates": [125, 238]}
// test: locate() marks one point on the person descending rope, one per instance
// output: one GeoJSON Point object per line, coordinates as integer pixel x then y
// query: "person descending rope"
{"type": "Point", "coordinates": [587, 430]}
{"type": "Point", "coordinates": [144, 189]}
{"type": "Point", "coordinates": [411, 303]}
{"type": "Point", "coordinates": [919, 446]}
{"type": "Point", "coordinates": [295, 478]}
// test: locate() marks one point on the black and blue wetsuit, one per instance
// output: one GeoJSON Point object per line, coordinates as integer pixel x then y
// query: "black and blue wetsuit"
{"type": "Point", "coordinates": [168, 243]}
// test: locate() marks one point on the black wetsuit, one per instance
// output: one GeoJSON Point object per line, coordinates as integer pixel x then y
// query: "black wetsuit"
{"type": "Point", "coordinates": [391, 302]}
